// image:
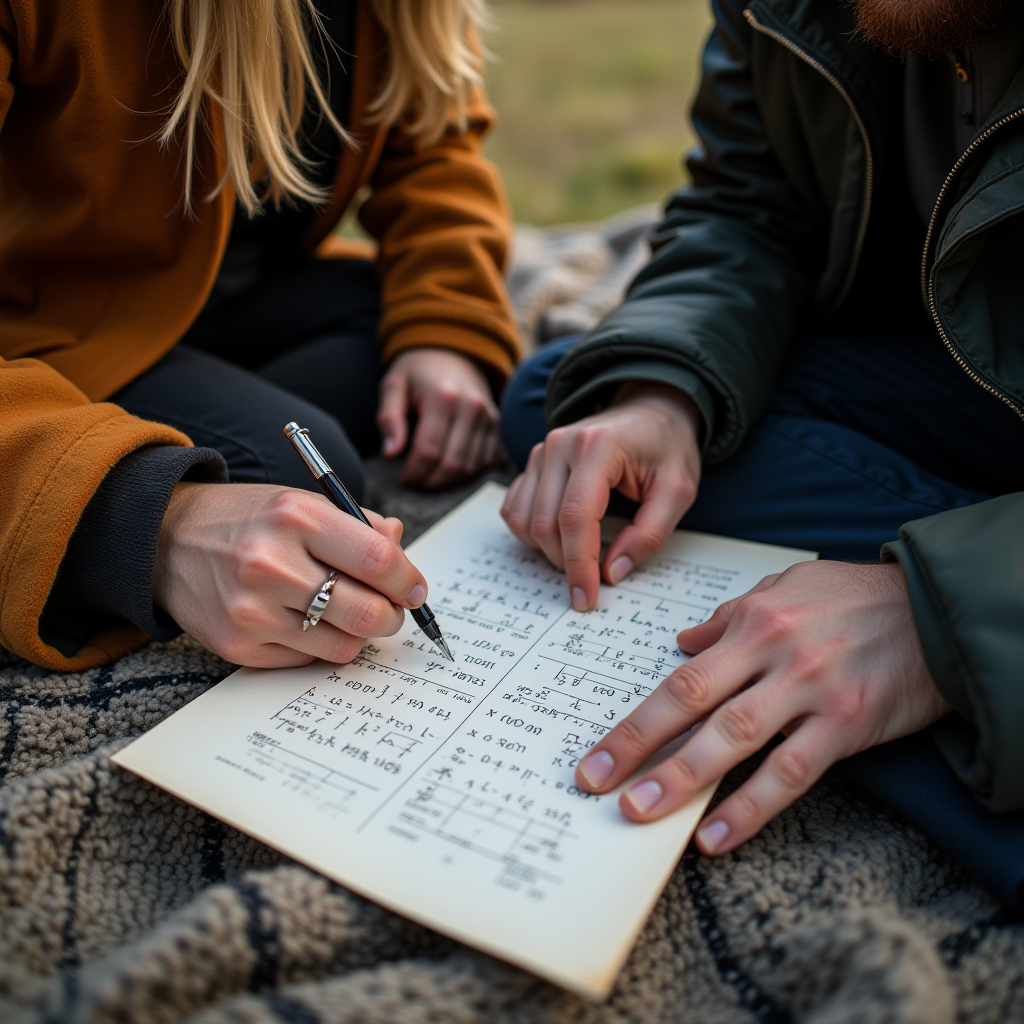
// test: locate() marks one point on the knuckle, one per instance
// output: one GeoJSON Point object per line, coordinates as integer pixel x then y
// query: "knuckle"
{"type": "Point", "coordinates": [369, 615]}
{"type": "Point", "coordinates": [849, 707]}
{"type": "Point", "coordinates": [448, 396]}
{"type": "Point", "coordinates": [246, 610]}
{"type": "Point", "coordinates": [747, 805]}
{"type": "Point", "coordinates": [543, 527]}
{"type": "Point", "coordinates": [429, 451]}
{"type": "Point", "coordinates": [630, 736]}
{"type": "Point", "coordinates": [518, 522]}
{"type": "Point", "coordinates": [344, 649]}
{"type": "Point", "coordinates": [652, 538]}
{"type": "Point", "coordinates": [724, 611]}
{"type": "Point", "coordinates": [683, 491]}
{"type": "Point", "coordinates": [572, 515]}
{"type": "Point", "coordinates": [234, 648]}
{"type": "Point", "coordinates": [792, 769]}
{"type": "Point", "coordinates": [687, 687]}
{"type": "Point", "coordinates": [290, 509]}
{"type": "Point", "coordinates": [256, 560]}
{"type": "Point", "coordinates": [767, 616]}
{"type": "Point", "coordinates": [379, 557]}
{"type": "Point", "coordinates": [809, 663]}
{"type": "Point", "coordinates": [684, 772]}
{"type": "Point", "coordinates": [585, 440]}
{"type": "Point", "coordinates": [558, 437]}
{"type": "Point", "coordinates": [474, 404]}
{"type": "Point", "coordinates": [737, 724]}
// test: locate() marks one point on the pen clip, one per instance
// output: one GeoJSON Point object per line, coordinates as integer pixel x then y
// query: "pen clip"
{"type": "Point", "coordinates": [299, 436]}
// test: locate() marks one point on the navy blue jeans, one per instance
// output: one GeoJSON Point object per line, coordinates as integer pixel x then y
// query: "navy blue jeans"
{"type": "Point", "coordinates": [802, 480]}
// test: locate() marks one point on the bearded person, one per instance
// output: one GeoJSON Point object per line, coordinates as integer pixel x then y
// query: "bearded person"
{"type": "Point", "coordinates": [826, 351]}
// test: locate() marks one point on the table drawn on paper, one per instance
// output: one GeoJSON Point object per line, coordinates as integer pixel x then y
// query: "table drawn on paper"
{"type": "Point", "coordinates": [529, 848]}
{"type": "Point", "coordinates": [353, 739]}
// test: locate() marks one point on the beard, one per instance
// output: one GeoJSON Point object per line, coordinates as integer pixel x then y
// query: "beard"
{"type": "Point", "coordinates": [926, 27]}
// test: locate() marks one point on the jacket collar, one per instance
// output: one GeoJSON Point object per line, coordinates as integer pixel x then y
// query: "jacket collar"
{"type": "Point", "coordinates": [826, 31]}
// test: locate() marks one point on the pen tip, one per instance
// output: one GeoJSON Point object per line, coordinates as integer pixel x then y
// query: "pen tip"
{"type": "Point", "coordinates": [444, 648]}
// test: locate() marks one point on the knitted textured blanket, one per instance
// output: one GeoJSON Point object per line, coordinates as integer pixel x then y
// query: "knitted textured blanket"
{"type": "Point", "coordinates": [120, 903]}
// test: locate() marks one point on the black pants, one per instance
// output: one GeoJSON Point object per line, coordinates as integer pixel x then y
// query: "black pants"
{"type": "Point", "coordinates": [301, 345]}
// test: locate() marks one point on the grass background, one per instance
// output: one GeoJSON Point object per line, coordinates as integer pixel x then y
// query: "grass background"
{"type": "Point", "coordinates": [593, 98]}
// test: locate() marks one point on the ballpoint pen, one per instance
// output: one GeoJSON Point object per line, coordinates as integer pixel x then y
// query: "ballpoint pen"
{"type": "Point", "coordinates": [340, 496]}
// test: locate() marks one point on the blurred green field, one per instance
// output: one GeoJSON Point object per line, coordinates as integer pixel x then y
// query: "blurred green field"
{"type": "Point", "coordinates": [594, 98]}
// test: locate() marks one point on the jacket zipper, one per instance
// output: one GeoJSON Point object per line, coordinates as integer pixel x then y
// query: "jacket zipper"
{"type": "Point", "coordinates": [928, 290]}
{"type": "Point", "coordinates": [869, 183]}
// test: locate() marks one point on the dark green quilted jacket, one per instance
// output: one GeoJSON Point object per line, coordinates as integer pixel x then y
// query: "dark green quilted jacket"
{"type": "Point", "coordinates": [797, 120]}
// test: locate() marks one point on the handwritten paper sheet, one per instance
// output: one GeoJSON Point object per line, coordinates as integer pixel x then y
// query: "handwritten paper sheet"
{"type": "Point", "coordinates": [446, 792]}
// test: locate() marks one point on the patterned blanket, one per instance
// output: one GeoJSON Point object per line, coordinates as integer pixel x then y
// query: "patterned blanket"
{"type": "Point", "coordinates": [119, 904]}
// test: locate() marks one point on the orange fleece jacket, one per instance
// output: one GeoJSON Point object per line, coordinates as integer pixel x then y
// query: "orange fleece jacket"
{"type": "Point", "coordinates": [101, 271]}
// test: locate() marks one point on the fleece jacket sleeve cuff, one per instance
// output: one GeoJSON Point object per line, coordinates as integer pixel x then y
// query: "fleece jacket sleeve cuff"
{"type": "Point", "coordinates": [106, 575]}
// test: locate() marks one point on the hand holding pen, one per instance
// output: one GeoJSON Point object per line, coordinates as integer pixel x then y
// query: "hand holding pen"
{"type": "Point", "coordinates": [339, 495]}
{"type": "Point", "coordinates": [238, 566]}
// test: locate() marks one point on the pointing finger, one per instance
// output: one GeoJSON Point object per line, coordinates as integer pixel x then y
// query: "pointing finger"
{"type": "Point", "coordinates": [584, 503]}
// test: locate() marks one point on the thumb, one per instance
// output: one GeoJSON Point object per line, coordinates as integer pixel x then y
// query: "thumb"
{"type": "Point", "coordinates": [699, 638]}
{"type": "Point", "coordinates": [656, 518]}
{"type": "Point", "coordinates": [392, 416]}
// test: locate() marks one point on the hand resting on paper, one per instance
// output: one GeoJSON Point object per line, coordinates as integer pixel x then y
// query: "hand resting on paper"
{"type": "Point", "coordinates": [238, 565]}
{"type": "Point", "coordinates": [825, 653]}
{"type": "Point", "coordinates": [645, 446]}
{"type": "Point", "coordinates": [456, 433]}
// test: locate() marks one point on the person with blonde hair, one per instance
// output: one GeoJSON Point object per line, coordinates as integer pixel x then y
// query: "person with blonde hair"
{"type": "Point", "coordinates": [171, 177]}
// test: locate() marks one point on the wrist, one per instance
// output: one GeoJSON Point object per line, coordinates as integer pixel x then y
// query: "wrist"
{"type": "Point", "coordinates": [171, 528]}
{"type": "Point", "coordinates": [651, 393]}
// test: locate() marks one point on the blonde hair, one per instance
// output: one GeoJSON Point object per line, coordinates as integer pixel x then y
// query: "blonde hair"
{"type": "Point", "coordinates": [253, 59]}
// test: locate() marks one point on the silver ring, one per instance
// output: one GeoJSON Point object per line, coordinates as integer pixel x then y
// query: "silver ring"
{"type": "Point", "coordinates": [319, 603]}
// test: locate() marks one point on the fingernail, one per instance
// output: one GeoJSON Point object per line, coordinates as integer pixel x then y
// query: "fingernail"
{"type": "Point", "coordinates": [579, 599]}
{"type": "Point", "coordinates": [620, 568]}
{"type": "Point", "coordinates": [712, 836]}
{"type": "Point", "coordinates": [644, 795]}
{"type": "Point", "coordinates": [416, 596]}
{"type": "Point", "coordinates": [597, 768]}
